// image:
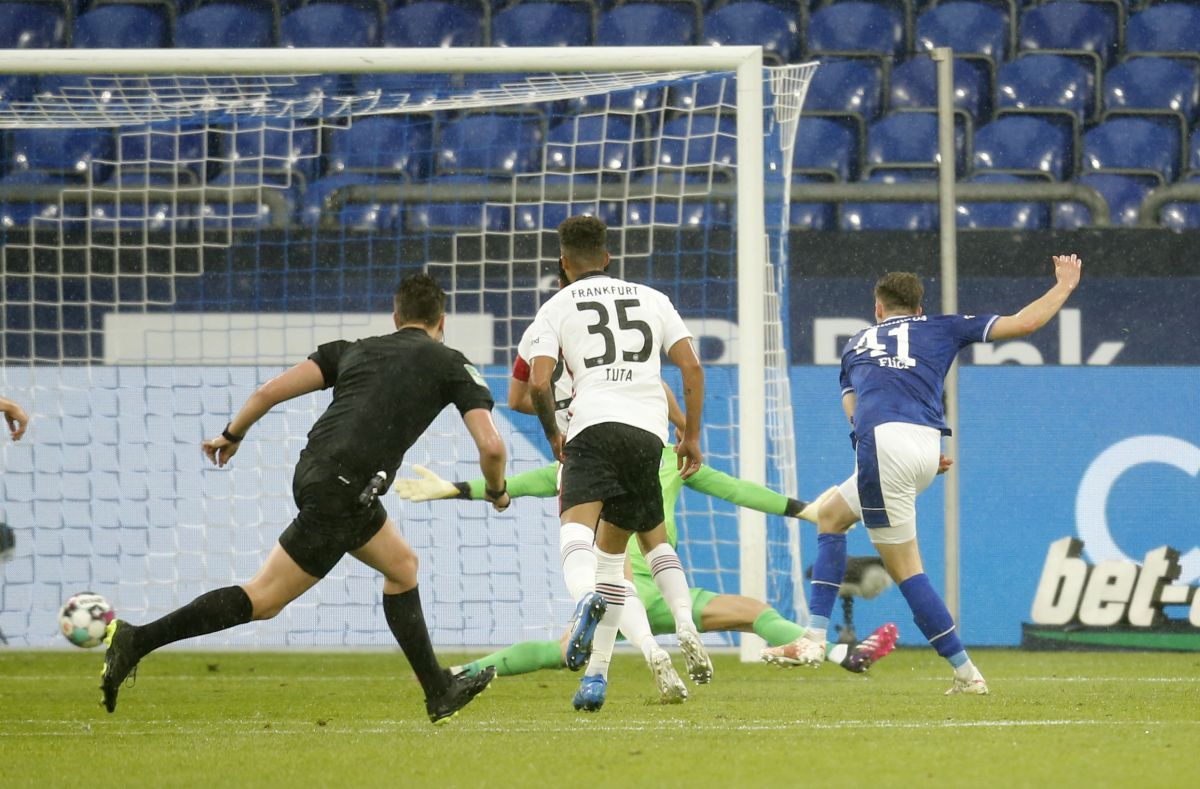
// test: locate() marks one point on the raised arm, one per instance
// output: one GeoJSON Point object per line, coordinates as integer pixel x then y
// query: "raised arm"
{"type": "Point", "coordinates": [299, 380]}
{"type": "Point", "coordinates": [688, 449]}
{"type": "Point", "coordinates": [1035, 315]}
{"type": "Point", "coordinates": [492, 455]}
{"type": "Point", "coordinates": [16, 417]}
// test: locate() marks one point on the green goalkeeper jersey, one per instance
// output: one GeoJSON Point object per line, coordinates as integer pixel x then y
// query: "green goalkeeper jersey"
{"type": "Point", "coordinates": [543, 483]}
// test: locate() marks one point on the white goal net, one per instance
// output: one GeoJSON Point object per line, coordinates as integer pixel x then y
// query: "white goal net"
{"type": "Point", "coordinates": [169, 242]}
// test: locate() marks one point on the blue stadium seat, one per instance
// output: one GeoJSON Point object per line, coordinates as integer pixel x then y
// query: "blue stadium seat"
{"type": "Point", "coordinates": [674, 212]}
{"type": "Point", "coordinates": [846, 86]}
{"type": "Point", "coordinates": [914, 85]}
{"type": "Point", "coordinates": [966, 27]}
{"type": "Point", "coordinates": [542, 25]}
{"type": "Point", "coordinates": [1037, 81]}
{"type": "Point", "coordinates": [1193, 162]}
{"type": "Point", "coordinates": [1026, 142]}
{"type": "Point", "coordinates": [909, 138]}
{"type": "Point", "coordinates": [491, 144]}
{"type": "Point", "coordinates": [856, 26]}
{"type": "Point", "coordinates": [63, 151]}
{"type": "Point", "coordinates": [1182, 216]}
{"type": "Point", "coordinates": [276, 143]}
{"type": "Point", "coordinates": [459, 216]}
{"type": "Point", "coordinates": [329, 25]}
{"type": "Point", "coordinates": [374, 215]}
{"type": "Point", "coordinates": [646, 24]}
{"type": "Point", "coordinates": [892, 216]}
{"type": "Point", "coordinates": [811, 216]}
{"type": "Point", "coordinates": [1164, 28]}
{"type": "Point", "coordinates": [1008, 216]}
{"type": "Point", "coordinates": [226, 25]}
{"type": "Point", "coordinates": [434, 24]}
{"type": "Point", "coordinates": [1133, 143]}
{"type": "Point", "coordinates": [31, 26]}
{"type": "Point", "coordinates": [17, 87]}
{"type": "Point", "coordinates": [698, 141]}
{"type": "Point", "coordinates": [122, 27]}
{"type": "Point", "coordinates": [389, 145]}
{"type": "Point", "coordinates": [136, 213]}
{"type": "Point", "coordinates": [21, 213]}
{"type": "Point", "coordinates": [827, 145]}
{"type": "Point", "coordinates": [753, 22]}
{"type": "Point", "coordinates": [600, 143]}
{"type": "Point", "coordinates": [219, 213]}
{"type": "Point", "coordinates": [1070, 25]}
{"type": "Point", "coordinates": [165, 145]}
{"type": "Point", "coordinates": [548, 214]}
{"type": "Point", "coordinates": [1123, 193]}
{"type": "Point", "coordinates": [1150, 83]}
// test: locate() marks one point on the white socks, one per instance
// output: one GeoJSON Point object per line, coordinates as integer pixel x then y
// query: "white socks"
{"type": "Point", "coordinates": [610, 584]}
{"type": "Point", "coordinates": [669, 577]}
{"type": "Point", "coordinates": [635, 624]}
{"type": "Point", "coordinates": [578, 560]}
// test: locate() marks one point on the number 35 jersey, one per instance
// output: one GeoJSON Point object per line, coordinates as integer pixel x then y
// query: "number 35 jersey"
{"type": "Point", "coordinates": [610, 334]}
{"type": "Point", "coordinates": [897, 368]}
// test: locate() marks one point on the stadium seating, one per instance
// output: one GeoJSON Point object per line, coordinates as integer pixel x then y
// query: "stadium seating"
{"type": "Point", "coordinates": [279, 147]}
{"type": "Point", "coordinates": [1070, 25]}
{"type": "Point", "coordinates": [226, 25]}
{"type": "Point", "coordinates": [1138, 143]}
{"type": "Point", "coordinates": [546, 213]}
{"type": "Point", "coordinates": [829, 146]}
{"type": "Point", "coordinates": [1164, 28]}
{"type": "Point", "coordinates": [491, 145]}
{"type": "Point", "coordinates": [777, 31]}
{"type": "Point", "coordinates": [1123, 192]}
{"type": "Point", "coordinates": [433, 24]}
{"type": "Point", "coordinates": [374, 215]}
{"type": "Point", "coordinates": [20, 213]}
{"type": "Point", "coordinates": [856, 26]}
{"type": "Point", "coordinates": [676, 211]}
{"type": "Point", "coordinates": [1026, 142]}
{"type": "Point", "coordinates": [122, 27]}
{"type": "Point", "coordinates": [966, 27]}
{"type": "Point", "coordinates": [134, 212]}
{"type": "Point", "coordinates": [542, 25]}
{"type": "Point", "coordinates": [1193, 161]}
{"type": "Point", "coordinates": [811, 216]}
{"type": "Point", "coordinates": [699, 140]}
{"type": "Point", "coordinates": [329, 25]}
{"type": "Point", "coordinates": [165, 142]}
{"type": "Point", "coordinates": [61, 151]}
{"type": "Point", "coordinates": [847, 86]}
{"type": "Point", "coordinates": [1038, 81]}
{"type": "Point", "coordinates": [910, 138]}
{"type": "Point", "coordinates": [1150, 83]}
{"type": "Point", "coordinates": [388, 145]}
{"type": "Point", "coordinates": [1182, 216]}
{"type": "Point", "coordinates": [600, 143]}
{"type": "Point", "coordinates": [1009, 216]}
{"type": "Point", "coordinates": [647, 24]}
{"type": "Point", "coordinates": [892, 216]}
{"type": "Point", "coordinates": [31, 26]}
{"type": "Point", "coordinates": [459, 216]}
{"type": "Point", "coordinates": [914, 86]}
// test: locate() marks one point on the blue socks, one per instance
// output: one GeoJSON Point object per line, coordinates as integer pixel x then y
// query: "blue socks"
{"type": "Point", "coordinates": [932, 617]}
{"type": "Point", "coordinates": [828, 571]}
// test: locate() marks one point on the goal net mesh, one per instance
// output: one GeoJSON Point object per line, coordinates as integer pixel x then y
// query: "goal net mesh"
{"type": "Point", "coordinates": [170, 243]}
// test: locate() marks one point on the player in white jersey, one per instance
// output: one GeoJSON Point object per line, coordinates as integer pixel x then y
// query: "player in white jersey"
{"type": "Point", "coordinates": [892, 376]}
{"type": "Point", "coordinates": [609, 334]}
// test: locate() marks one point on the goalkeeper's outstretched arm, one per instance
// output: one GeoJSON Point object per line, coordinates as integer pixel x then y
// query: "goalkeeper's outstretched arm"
{"type": "Point", "coordinates": [542, 483]}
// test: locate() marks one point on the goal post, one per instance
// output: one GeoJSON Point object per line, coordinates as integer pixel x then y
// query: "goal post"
{"type": "Point", "coordinates": [156, 86]}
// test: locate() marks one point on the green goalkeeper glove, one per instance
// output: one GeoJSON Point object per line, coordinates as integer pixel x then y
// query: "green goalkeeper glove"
{"type": "Point", "coordinates": [430, 487]}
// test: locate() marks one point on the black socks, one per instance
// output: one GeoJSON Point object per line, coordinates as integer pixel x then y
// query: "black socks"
{"type": "Point", "coordinates": [404, 617]}
{"type": "Point", "coordinates": [219, 609]}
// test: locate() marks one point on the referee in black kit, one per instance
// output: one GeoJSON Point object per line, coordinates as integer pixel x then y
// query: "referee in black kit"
{"type": "Point", "coordinates": [386, 391]}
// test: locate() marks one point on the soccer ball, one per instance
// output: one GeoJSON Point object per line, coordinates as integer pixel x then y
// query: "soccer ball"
{"type": "Point", "coordinates": [83, 619]}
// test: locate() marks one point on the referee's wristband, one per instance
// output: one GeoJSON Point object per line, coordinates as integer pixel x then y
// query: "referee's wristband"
{"type": "Point", "coordinates": [230, 437]}
{"type": "Point", "coordinates": [493, 495]}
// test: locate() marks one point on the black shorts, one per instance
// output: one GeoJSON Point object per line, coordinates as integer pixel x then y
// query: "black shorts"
{"type": "Point", "coordinates": [331, 521]}
{"type": "Point", "coordinates": [616, 464]}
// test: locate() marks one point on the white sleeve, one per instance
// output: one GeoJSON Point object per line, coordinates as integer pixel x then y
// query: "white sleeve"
{"type": "Point", "coordinates": [674, 328]}
{"type": "Point", "coordinates": [542, 336]}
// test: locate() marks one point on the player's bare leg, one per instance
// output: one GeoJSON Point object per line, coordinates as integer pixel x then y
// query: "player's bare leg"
{"type": "Point", "coordinates": [833, 521]}
{"type": "Point", "coordinates": [391, 555]}
{"type": "Point", "coordinates": [576, 539]}
{"type": "Point", "coordinates": [903, 562]}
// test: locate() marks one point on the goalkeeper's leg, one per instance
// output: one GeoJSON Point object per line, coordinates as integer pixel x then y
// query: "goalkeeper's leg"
{"type": "Point", "coordinates": [522, 658]}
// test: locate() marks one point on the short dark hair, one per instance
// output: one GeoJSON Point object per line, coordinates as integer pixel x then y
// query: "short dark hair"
{"type": "Point", "coordinates": [419, 299]}
{"type": "Point", "coordinates": [584, 239]}
{"type": "Point", "coordinates": [899, 290]}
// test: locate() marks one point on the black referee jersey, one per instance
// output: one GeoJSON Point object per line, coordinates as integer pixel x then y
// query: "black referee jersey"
{"type": "Point", "coordinates": [386, 391]}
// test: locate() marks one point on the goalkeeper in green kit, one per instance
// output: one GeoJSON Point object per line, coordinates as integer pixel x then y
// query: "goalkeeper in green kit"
{"type": "Point", "coordinates": [712, 612]}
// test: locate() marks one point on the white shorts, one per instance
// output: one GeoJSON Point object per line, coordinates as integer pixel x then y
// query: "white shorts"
{"type": "Point", "coordinates": [893, 464]}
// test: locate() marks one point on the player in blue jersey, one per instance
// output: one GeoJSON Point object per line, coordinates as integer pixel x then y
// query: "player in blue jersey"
{"type": "Point", "coordinates": [892, 376]}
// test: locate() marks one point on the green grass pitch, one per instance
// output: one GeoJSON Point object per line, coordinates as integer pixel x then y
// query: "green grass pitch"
{"type": "Point", "coordinates": [345, 718]}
